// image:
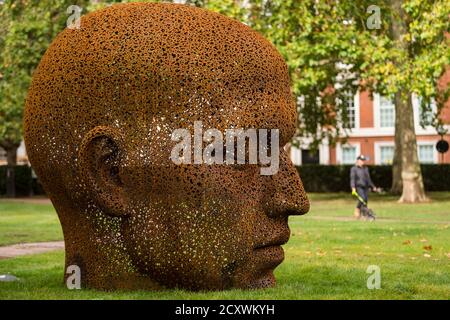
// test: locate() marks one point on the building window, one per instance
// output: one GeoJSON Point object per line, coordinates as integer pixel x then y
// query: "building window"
{"type": "Point", "coordinates": [387, 112]}
{"type": "Point", "coordinates": [426, 116]}
{"type": "Point", "coordinates": [426, 153]}
{"type": "Point", "coordinates": [348, 154]}
{"type": "Point", "coordinates": [350, 102]}
{"type": "Point", "coordinates": [386, 154]}
{"type": "Point", "coordinates": [351, 111]}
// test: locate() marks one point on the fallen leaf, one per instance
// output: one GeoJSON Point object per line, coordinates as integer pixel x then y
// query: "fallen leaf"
{"type": "Point", "coordinates": [407, 242]}
{"type": "Point", "coordinates": [428, 248]}
{"type": "Point", "coordinates": [321, 253]}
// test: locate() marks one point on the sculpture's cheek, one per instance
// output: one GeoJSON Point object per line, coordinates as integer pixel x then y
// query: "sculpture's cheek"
{"type": "Point", "coordinates": [195, 248]}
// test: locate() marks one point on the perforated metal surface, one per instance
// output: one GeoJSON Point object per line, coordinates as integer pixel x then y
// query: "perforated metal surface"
{"type": "Point", "coordinates": [98, 122]}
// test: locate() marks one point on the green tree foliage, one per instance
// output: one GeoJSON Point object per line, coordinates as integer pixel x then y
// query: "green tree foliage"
{"type": "Point", "coordinates": [26, 29]}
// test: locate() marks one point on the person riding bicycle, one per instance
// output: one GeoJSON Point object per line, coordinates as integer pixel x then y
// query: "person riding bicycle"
{"type": "Point", "coordinates": [360, 182]}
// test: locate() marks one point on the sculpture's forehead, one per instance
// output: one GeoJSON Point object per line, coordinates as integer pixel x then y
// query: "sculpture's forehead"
{"type": "Point", "coordinates": [179, 62]}
{"type": "Point", "coordinates": [175, 41]}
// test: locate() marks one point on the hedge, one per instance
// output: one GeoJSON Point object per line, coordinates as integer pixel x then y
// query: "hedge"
{"type": "Point", "coordinates": [316, 178]}
{"type": "Point", "coordinates": [436, 177]}
{"type": "Point", "coordinates": [25, 185]}
{"type": "Point", "coordinates": [336, 178]}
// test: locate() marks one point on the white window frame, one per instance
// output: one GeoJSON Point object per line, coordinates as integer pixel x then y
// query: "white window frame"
{"type": "Point", "coordinates": [356, 103]}
{"type": "Point", "coordinates": [416, 109]}
{"type": "Point", "coordinates": [377, 151]}
{"type": "Point", "coordinates": [357, 113]}
{"type": "Point", "coordinates": [339, 147]}
{"type": "Point", "coordinates": [324, 153]}
{"type": "Point", "coordinates": [296, 155]}
{"type": "Point", "coordinates": [377, 113]}
{"type": "Point", "coordinates": [427, 143]}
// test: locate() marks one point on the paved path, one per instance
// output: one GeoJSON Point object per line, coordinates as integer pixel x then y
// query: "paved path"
{"type": "Point", "coordinates": [21, 249]}
{"type": "Point", "coordinates": [31, 200]}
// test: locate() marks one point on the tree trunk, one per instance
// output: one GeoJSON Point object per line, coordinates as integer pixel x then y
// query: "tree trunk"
{"type": "Point", "coordinates": [397, 183]}
{"type": "Point", "coordinates": [413, 189]}
{"type": "Point", "coordinates": [406, 162]}
{"type": "Point", "coordinates": [11, 158]}
{"type": "Point", "coordinates": [11, 155]}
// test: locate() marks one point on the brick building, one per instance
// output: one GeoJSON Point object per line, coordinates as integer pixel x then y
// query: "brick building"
{"type": "Point", "coordinates": [372, 133]}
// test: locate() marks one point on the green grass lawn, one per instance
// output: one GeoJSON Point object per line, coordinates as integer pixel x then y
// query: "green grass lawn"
{"type": "Point", "coordinates": [23, 222]}
{"type": "Point", "coordinates": [326, 258]}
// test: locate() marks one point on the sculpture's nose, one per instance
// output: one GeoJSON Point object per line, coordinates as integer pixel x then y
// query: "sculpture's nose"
{"type": "Point", "coordinates": [285, 194]}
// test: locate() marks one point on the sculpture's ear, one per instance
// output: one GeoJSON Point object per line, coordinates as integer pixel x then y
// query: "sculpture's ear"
{"type": "Point", "coordinates": [101, 157]}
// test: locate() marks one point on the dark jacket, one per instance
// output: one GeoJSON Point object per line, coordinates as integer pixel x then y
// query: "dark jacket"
{"type": "Point", "coordinates": [360, 177]}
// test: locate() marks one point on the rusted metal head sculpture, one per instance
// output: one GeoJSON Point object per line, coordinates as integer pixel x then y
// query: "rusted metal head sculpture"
{"type": "Point", "coordinates": [100, 115]}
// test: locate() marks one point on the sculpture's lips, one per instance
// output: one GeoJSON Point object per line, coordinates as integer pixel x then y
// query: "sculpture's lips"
{"type": "Point", "coordinates": [278, 240]}
{"type": "Point", "coordinates": [268, 257]}
{"type": "Point", "coordinates": [269, 253]}
{"type": "Point", "coordinates": [268, 245]}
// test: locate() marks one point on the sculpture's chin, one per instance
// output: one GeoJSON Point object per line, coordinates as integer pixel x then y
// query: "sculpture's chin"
{"type": "Point", "coordinates": [266, 281]}
{"type": "Point", "coordinates": [266, 259]}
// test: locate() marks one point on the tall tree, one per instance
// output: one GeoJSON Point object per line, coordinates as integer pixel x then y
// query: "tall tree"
{"type": "Point", "coordinates": [407, 174]}
{"type": "Point", "coordinates": [412, 59]}
{"type": "Point", "coordinates": [418, 34]}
